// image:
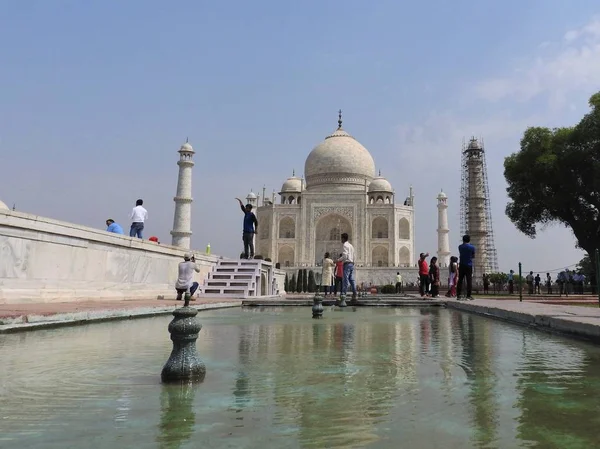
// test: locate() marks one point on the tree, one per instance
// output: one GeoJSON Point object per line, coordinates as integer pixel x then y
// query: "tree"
{"type": "Point", "coordinates": [312, 284]}
{"type": "Point", "coordinates": [555, 178]}
{"type": "Point", "coordinates": [498, 280]}
{"type": "Point", "coordinates": [586, 267]}
{"type": "Point", "coordinates": [299, 281]}
{"type": "Point", "coordinates": [292, 284]}
{"type": "Point", "coordinates": [304, 280]}
{"type": "Point", "coordinates": [286, 283]}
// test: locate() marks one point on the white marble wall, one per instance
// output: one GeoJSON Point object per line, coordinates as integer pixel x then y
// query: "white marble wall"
{"type": "Point", "coordinates": [45, 260]}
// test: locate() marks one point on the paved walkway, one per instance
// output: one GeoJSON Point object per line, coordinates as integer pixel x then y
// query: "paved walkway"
{"type": "Point", "coordinates": [583, 322]}
{"type": "Point", "coordinates": [16, 317]}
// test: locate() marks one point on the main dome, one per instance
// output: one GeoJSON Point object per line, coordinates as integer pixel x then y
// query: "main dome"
{"type": "Point", "coordinates": [340, 162]}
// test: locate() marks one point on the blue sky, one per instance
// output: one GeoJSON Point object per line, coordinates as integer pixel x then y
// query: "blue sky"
{"type": "Point", "coordinates": [98, 96]}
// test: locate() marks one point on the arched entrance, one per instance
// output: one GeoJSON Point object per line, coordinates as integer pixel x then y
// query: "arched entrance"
{"type": "Point", "coordinates": [286, 256]}
{"type": "Point", "coordinates": [379, 256]}
{"type": "Point", "coordinates": [327, 235]}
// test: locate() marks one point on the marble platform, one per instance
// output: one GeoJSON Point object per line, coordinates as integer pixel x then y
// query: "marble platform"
{"type": "Point", "coordinates": [46, 260]}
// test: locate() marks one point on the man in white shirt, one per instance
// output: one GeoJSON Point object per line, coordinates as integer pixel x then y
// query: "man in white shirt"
{"type": "Point", "coordinates": [348, 260]}
{"type": "Point", "coordinates": [185, 278]}
{"type": "Point", "coordinates": [138, 216]}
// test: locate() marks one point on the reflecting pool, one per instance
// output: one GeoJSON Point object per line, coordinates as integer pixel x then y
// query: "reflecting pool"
{"type": "Point", "coordinates": [276, 378]}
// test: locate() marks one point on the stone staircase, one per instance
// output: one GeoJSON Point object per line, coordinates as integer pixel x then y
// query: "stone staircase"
{"type": "Point", "coordinates": [239, 279]}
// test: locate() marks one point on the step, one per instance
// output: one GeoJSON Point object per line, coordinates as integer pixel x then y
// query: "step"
{"type": "Point", "coordinates": [235, 270]}
{"type": "Point", "coordinates": [211, 284]}
{"type": "Point", "coordinates": [230, 276]}
{"type": "Point", "coordinates": [227, 291]}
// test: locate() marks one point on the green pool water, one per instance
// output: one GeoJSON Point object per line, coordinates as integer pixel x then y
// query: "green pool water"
{"type": "Point", "coordinates": [375, 378]}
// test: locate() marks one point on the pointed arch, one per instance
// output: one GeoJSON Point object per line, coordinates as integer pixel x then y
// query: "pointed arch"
{"type": "Point", "coordinates": [379, 228]}
{"type": "Point", "coordinates": [404, 229]}
{"type": "Point", "coordinates": [404, 257]}
{"type": "Point", "coordinates": [286, 256]}
{"type": "Point", "coordinates": [380, 257]}
{"type": "Point", "coordinates": [287, 228]}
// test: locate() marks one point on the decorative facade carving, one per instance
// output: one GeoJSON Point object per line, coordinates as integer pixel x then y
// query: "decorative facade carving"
{"type": "Point", "coordinates": [347, 212]}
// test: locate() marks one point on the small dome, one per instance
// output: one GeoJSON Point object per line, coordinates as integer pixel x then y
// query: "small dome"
{"type": "Point", "coordinates": [380, 184]}
{"type": "Point", "coordinates": [186, 147]}
{"type": "Point", "coordinates": [251, 196]}
{"type": "Point", "coordinates": [293, 184]}
{"type": "Point", "coordinates": [3, 206]}
{"type": "Point", "coordinates": [474, 144]}
{"type": "Point", "coordinates": [442, 196]}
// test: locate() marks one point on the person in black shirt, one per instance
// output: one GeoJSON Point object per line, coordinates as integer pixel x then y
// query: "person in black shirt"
{"type": "Point", "coordinates": [250, 228]}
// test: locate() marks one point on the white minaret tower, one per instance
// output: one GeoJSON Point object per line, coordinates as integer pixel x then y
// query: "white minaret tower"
{"type": "Point", "coordinates": [442, 231]}
{"type": "Point", "coordinates": [182, 221]}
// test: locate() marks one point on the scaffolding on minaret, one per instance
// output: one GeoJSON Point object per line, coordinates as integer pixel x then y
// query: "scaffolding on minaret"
{"type": "Point", "coordinates": [475, 208]}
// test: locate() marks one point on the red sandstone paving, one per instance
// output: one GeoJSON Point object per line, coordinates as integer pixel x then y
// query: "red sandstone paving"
{"type": "Point", "coordinates": [16, 310]}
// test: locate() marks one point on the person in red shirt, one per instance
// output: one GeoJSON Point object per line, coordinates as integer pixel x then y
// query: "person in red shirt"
{"type": "Point", "coordinates": [423, 275]}
{"type": "Point", "coordinates": [339, 276]}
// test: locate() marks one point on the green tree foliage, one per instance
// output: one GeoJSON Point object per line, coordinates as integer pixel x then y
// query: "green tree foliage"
{"type": "Point", "coordinates": [304, 280]}
{"type": "Point", "coordinates": [299, 281]}
{"type": "Point", "coordinates": [286, 283]}
{"type": "Point", "coordinates": [292, 284]}
{"type": "Point", "coordinates": [555, 178]}
{"type": "Point", "coordinates": [312, 284]}
{"type": "Point", "coordinates": [498, 280]}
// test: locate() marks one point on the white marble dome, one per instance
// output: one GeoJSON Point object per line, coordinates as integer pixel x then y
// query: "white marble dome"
{"type": "Point", "coordinates": [442, 196]}
{"type": "Point", "coordinates": [380, 184]}
{"type": "Point", "coordinates": [339, 162]}
{"type": "Point", "coordinates": [186, 147]}
{"type": "Point", "coordinates": [251, 196]}
{"type": "Point", "coordinates": [3, 206]}
{"type": "Point", "coordinates": [293, 184]}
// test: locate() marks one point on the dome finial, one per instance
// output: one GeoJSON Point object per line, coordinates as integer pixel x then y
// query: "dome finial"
{"type": "Point", "coordinates": [187, 140]}
{"type": "Point", "coordinates": [340, 119]}
{"type": "Point", "coordinates": [293, 172]}
{"type": "Point", "coordinates": [380, 172]}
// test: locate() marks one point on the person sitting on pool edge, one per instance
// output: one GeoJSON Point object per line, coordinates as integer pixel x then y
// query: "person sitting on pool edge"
{"type": "Point", "coordinates": [185, 278]}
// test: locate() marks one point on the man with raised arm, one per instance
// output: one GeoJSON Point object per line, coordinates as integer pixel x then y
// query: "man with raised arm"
{"type": "Point", "coordinates": [250, 228]}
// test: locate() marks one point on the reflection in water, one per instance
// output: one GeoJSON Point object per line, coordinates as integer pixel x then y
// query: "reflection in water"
{"type": "Point", "coordinates": [177, 415]}
{"type": "Point", "coordinates": [276, 378]}
{"type": "Point", "coordinates": [559, 395]}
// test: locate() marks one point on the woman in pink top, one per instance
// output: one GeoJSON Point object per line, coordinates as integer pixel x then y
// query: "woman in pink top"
{"type": "Point", "coordinates": [339, 276]}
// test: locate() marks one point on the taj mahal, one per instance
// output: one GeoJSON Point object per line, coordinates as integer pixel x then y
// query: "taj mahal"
{"type": "Point", "coordinates": [340, 192]}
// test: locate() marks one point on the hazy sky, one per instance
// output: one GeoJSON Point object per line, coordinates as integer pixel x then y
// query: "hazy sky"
{"type": "Point", "coordinates": [97, 97]}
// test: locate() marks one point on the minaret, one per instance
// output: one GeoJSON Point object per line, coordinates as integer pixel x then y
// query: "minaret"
{"type": "Point", "coordinates": [182, 221]}
{"type": "Point", "coordinates": [442, 231]}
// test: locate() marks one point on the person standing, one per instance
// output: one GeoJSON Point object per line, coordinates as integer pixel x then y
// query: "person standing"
{"type": "Point", "coordinates": [562, 283]}
{"type": "Point", "coordinates": [538, 281]}
{"type": "Point", "coordinates": [348, 260]}
{"type": "Point", "coordinates": [486, 283]}
{"type": "Point", "coordinates": [250, 228]}
{"type": "Point", "coordinates": [185, 278]}
{"type": "Point", "coordinates": [339, 275]}
{"type": "Point", "coordinates": [138, 216]}
{"type": "Point", "coordinates": [549, 283]}
{"type": "Point", "coordinates": [327, 274]}
{"type": "Point", "coordinates": [398, 283]}
{"type": "Point", "coordinates": [465, 267]}
{"type": "Point", "coordinates": [434, 276]}
{"type": "Point", "coordinates": [452, 276]}
{"type": "Point", "coordinates": [529, 280]}
{"type": "Point", "coordinates": [423, 274]}
{"type": "Point", "coordinates": [511, 282]}
{"type": "Point", "coordinates": [113, 227]}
